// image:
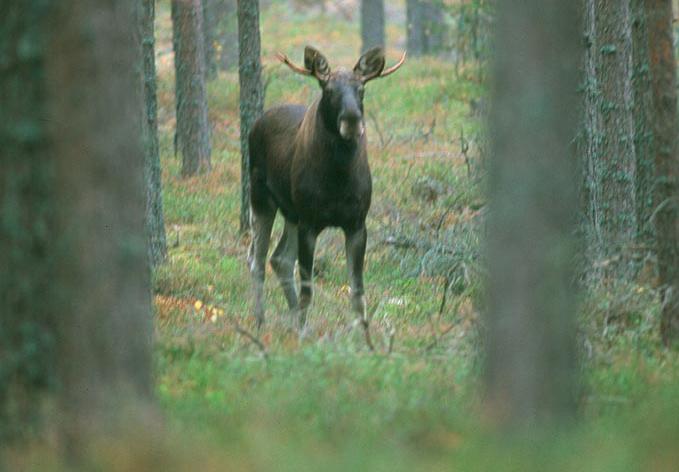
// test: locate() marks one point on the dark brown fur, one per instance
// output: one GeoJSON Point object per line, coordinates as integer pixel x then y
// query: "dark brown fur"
{"type": "Point", "coordinates": [312, 165]}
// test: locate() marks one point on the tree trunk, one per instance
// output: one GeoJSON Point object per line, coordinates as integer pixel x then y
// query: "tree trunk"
{"type": "Point", "coordinates": [530, 371]}
{"type": "Point", "coordinates": [210, 35]}
{"type": "Point", "coordinates": [251, 92]}
{"type": "Point", "coordinates": [192, 136]}
{"type": "Point", "coordinates": [372, 24]}
{"type": "Point", "coordinates": [663, 81]}
{"type": "Point", "coordinates": [643, 133]}
{"type": "Point", "coordinates": [155, 223]}
{"type": "Point", "coordinates": [227, 33]}
{"type": "Point", "coordinates": [26, 221]}
{"type": "Point", "coordinates": [415, 28]}
{"type": "Point", "coordinates": [105, 324]}
{"type": "Point", "coordinates": [426, 29]}
{"type": "Point", "coordinates": [611, 159]}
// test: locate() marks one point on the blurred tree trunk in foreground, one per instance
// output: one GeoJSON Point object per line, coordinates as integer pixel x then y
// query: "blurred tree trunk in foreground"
{"type": "Point", "coordinates": [192, 136]}
{"type": "Point", "coordinates": [104, 327]}
{"type": "Point", "coordinates": [372, 24]}
{"type": "Point", "coordinates": [155, 222]}
{"type": "Point", "coordinates": [663, 81]}
{"type": "Point", "coordinates": [530, 369]}
{"type": "Point", "coordinates": [26, 218]}
{"type": "Point", "coordinates": [251, 92]}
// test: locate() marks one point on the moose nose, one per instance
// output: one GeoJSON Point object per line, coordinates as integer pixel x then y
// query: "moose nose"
{"type": "Point", "coordinates": [350, 124]}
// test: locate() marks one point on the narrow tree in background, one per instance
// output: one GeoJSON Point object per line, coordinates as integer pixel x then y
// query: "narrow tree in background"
{"type": "Point", "coordinates": [663, 80]}
{"type": "Point", "coordinates": [372, 24]}
{"type": "Point", "coordinates": [192, 136]}
{"type": "Point", "coordinates": [155, 222]}
{"type": "Point", "coordinates": [26, 218]}
{"type": "Point", "coordinates": [610, 161]}
{"type": "Point", "coordinates": [251, 92]}
{"type": "Point", "coordinates": [415, 27]}
{"type": "Point", "coordinates": [530, 369]}
{"type": "Point", "coordinates": [425, 27]}
{"type": "Point", "coordinates": [104, 326]}
{"type": "Point", "coordinates": [227, 33]}
{"type": "Point", "coordinates": [210, 23]}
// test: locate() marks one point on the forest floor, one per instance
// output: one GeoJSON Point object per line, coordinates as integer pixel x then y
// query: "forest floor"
{"type": "Point", "coordinates": [326, 400]}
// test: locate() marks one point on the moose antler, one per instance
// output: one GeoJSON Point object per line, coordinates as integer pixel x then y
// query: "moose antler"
{"type": "Point", "coordinates": [300, 70]}
{"type": "Point", "coordinates": [395, 67]}
{"type": "Point", "coordinates": [378, 74]}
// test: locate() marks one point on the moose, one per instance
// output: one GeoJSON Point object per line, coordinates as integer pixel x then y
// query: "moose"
{"type": "Point", "coordinates": [311, 163]}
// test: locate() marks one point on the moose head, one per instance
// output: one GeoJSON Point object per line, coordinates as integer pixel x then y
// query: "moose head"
{"type": "Point", "coordinates": [341, 105]}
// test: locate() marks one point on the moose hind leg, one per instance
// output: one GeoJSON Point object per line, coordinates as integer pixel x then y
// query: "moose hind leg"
{"type": "Point", "coordinates": [355, 244]}
{"type": "Point", "coordinates": [261, 223]}
{"type": "Point", "coordinates": [306, 245]}
{"type": "Point", "coordinates": [283, 262]}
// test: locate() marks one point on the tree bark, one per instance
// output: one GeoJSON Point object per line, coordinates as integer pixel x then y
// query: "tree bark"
{"type": "Point", "coordinates": [611, 159]}
{"type": "Point", "coordinates": [251, 93]}
{"type": "Point", "coordinates": [227, 33]}
{"type": "Point", "coordinates": [372, 24]}
{"type": "Point", "coordinates": [210, 22]}
{"type": "Point", "coordinates": [426, 29]}
{"type": "Point", "coordinates": [530, 370]}
{"type": "Point", "coordinates": [26, 219]}
{"type": "Point", "coordinates": [663, 81]}
{"type": "Point", "coordinates": [96, 108]}
{"type": "Point", "coordinates": [155, 222]}
{"type": "Point", "coordinates": [192, 136]}
{"type": "Point", "coordinates": [643, 132]}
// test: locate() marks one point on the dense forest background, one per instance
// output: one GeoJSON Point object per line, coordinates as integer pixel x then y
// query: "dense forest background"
{"type": "Point", "coordinates": [522, 267]}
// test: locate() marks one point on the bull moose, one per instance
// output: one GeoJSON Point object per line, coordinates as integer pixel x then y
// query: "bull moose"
{"type": "Point", "coordinates": [311, 163]}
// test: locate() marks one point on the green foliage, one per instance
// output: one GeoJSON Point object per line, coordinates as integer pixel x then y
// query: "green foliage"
{"type": "Point", "coordinates": [324, 399]}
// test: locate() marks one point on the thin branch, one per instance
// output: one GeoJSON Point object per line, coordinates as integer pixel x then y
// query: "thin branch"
{"type": "Point", "coordinates": [253, 339]}
{"type": "Point", "coordinates": [366, 331]}
{"type": "Point", "coordinates": [392, 336]}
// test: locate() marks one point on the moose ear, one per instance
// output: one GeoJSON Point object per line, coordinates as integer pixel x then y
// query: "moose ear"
{"type": "Point", "coordinates": [316, 63]}
{"type": "Point", "coordinates": [371, 64]}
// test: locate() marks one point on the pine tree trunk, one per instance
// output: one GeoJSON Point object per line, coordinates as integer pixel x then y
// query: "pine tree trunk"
{"type": "Point", "coordinates": [210, 20]}
{"type": "Point", "coordinates": [227, 33]}
{"type": "Point", "coordinates": [426, 29]}
{"type": "Point", "coordinates": [155, 223]}
{"type": "Point", "coordinates": [251, 93]}
{"type": "Point", "coordinates": [192, 137]}
{"type": "Point", "coordinates": [372, 24]}
{"type": "Point", "coordinates": [104, 325]}
{"type": "Point", "coordinates": [26, 221]}
{"type": "Point", "coordinates": [415, 27]}
{"type": "Point", "coordinates": [530, 371]}
{"type": "Point", "coordinates": [663, 80]}
{"type": "Point", "coordinates": [610, 160]}
{"type": "Point", "coordinates": [643, 133]}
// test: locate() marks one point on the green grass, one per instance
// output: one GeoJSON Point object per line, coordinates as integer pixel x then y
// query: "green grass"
{"type": "Point", "coordinates": [324, 400]}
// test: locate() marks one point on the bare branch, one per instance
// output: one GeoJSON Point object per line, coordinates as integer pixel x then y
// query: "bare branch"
{"type": "Point", "coordinates": [253, 339]}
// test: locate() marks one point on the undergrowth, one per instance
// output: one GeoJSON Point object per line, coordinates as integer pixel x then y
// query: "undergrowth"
{"type": "Point", "coordinates": [235, 399]}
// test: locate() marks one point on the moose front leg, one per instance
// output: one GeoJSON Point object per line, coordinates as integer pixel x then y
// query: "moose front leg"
{"type": "Point", "coordinates": [261, 223]}
{"type": "Point", "coordinates": [355, 243]}
{"type": "Point", "coordinates": [306, 246]}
